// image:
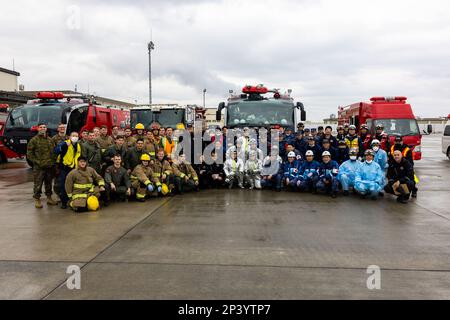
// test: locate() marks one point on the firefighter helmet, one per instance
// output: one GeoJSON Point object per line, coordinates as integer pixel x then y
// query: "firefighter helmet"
{"type": "Point", "coordinates": [180, 126]}
{"type": "Point", "coordinates": [164, 189]}
{"type": "Point", "coordinates": [92, 203]}
{"type": "Point", "coordinates": [145, 157]}
{"type": "Point", "coordinates": [139, 126]}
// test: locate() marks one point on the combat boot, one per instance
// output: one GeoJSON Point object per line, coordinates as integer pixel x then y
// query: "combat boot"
{"type": "Point", "coordinates": [38, 203]}
{"type": "Point", "coordinates": [51, 202]}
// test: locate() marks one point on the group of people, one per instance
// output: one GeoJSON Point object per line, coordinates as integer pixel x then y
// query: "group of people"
{"type": "Point", "coordinates": [96, 168]}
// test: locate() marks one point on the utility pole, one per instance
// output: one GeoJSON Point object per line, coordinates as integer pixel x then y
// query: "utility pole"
{"type": "Point", "coordinates": [204, 94]}
{"type": "Point", "coordinates": [151, 46]}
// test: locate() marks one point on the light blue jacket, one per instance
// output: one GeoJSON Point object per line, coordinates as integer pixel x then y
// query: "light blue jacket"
{"type": "Point", "coordinates": [370, 173]}
{"type": "Point", "coordinates": [381, 158]}
{"type": "Point", "coordinates": [349, 168]}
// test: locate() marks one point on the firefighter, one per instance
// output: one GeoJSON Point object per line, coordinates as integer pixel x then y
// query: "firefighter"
{"type": "Point", "coordinates": [117, 148]}
{"type": "Point", "coordinates": [103, 139]}
{"type": "Point", "coordinates": [400, 176]}
{"type": "Point", "coordinates": [133, 157]}
{"type": "Point", "coordinates": [347, 172]}
{"type": "Point", "coordinates": [291, 170]}
{"type": "Point", "coordinates": [340, 133]}
{"type": "Point", "coordinates": [92, 152]}
{"type": "Point", "coordinates": [168, 143]}
{"type": "Point", "coordinates": [380, 155]}
{"type": "Point", "coordinates": [118, 184]}
{"type": "Point", "coordinates": [381, 136]}
{"type": "Point", "coordinates": [129, 140]}
{"type": "Point", "coordinates": [68, 153]}
{"type": "Point", "coordinates": [369, 180]}
{"type": "Point", "coordinates": [342, 152]}
{"type": "Point", "coordinates": [314, 148]}
{"type": "Point", "coordinates": [83, 186]}
{"type": "Point", "coordinates": [140, 130]}
{"type": "Point", "coordinates": [234, 171]}
{"type": "Point", "coordinates": [365, 136]}
{"type": "Point", "coordinates": [252, 170]}
{"type": "Point", "coordinates": [40, 153]}
{"type": "Point", "coordinates": [149, 145]}
{"type": "Point", "coordinates": [186, 178]}
{"type": "Point", "coordinates": [353, 141]}
{"type": "Point", "coordinates": [141, 178]}
{"type": "Point", "coordinates": [328, 171]}
{"type": "Point", "coordinates": [407, 154]}
{"type": "Point", "coordinates": [308, 175]}
{"type": "Point", "coordinates": [163, 173]}
{"type": "Point", "coordinates": [157, 138]}
{"type": "Point", "coordinates": [271, 172]}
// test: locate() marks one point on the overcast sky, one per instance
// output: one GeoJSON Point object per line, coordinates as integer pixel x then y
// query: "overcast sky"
{"type": "Point", "coordinates": [329, 53]}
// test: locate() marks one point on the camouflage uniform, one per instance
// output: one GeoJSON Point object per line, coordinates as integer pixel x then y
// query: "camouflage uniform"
{"type": "Point", "coordinates": [105, 142]}
{"type": "Point", "coordinates": [80, 186]}
{"type": "Point", "coordinates": [93, 153]}
{"type": "Point", "coordinates": [40, 151]}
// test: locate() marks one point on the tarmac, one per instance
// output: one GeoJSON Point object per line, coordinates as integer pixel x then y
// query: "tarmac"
{"type": "Point", "coordinates": [231, 244]}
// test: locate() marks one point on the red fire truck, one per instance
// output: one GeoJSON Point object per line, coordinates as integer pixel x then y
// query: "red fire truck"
{"type": "Point", "coordinates": [394, 113]}
{"type": "Point", "coordinates": [78, 112]}
{"type": "Point", "coordinates": [5, 153]}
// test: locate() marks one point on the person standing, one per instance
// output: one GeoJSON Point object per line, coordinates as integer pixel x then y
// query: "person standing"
{"type": "Point", "coordinates": [92, 152]}
{"type": "Point", "coordinates": [103, 139]}
{"type": "Point", "coordinates": [40, 154]}
{"type": "Point", "coordinates": [57, 139]}
{"type": "Point", "coordinates": [68, 153]}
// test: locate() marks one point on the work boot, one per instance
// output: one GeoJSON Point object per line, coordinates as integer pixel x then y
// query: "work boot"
{"type": "Point", "coordinates": [401, 199]}
{"type": "Point", "coordinates": [38, 203]}
{"type": "Point", "coordinates": [414, 193]}
{"type": "Point", "coordinates": [51, 202]}
{"type": "Point", "coordinates": [346, 193]}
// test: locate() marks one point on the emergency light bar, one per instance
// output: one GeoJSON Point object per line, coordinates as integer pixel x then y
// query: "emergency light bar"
{"type": "Point", "coordinates": [49, 95]}
{"type": "Point", "coordinates": [374, 99]}
{"type": "Point", "coordinates": [255, 89]}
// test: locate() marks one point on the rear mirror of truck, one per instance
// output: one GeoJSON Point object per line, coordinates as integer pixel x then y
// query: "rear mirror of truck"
{"type": "Point", "coordinates": [429, 129]}
{"type": "Point", "coordinates": [218, 115]}
{"type": "Point", "coordinates": [303, 115]}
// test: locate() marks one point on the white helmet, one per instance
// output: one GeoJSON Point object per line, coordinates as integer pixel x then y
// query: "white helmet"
{"type": "Point", "coordinates": [375, 141]}
{"type": "Point", "coordinates": [284, 121]}
{"type": "Point", "coordinates": [309, 153]}
{"type": "Point", "coordinates": [292, 154]}
{"type": "Point", "coordinates": [326, 153]}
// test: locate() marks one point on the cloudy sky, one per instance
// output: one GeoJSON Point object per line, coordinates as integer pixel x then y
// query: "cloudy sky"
{"type": "Point", "coordinates": [329, 52]}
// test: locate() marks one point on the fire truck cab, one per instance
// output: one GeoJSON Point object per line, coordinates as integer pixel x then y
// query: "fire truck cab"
{"type": "Point", "coordinates": [394, 113]}
{"type": "Point", "coordinates": [5, 153]}
{"type": "Point", "coordinates": [78, 112]}
{"type": "Point", "coordinates": [251, 109]}
{"type": "Point", "coordinates": [167, 115]}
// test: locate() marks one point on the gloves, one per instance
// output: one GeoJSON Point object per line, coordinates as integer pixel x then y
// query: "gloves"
{"type": "Point", "coordinates": [159, 189]}
{"type": "Point", "coordinates": [150, 188]}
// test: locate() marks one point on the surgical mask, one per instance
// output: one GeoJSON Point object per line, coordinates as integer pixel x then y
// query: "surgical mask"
{"type": "Point", "coordinates": [375, 149]}
{"type": "Point", "coordinates": [74, 139]}
{"type": "Point", "coordinates": [369, 161]}
{"type": "Point", "coordinates": [353, 158]}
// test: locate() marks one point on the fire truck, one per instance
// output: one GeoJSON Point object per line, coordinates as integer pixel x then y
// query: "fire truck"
{"type": "Point", "coordinates": [394, 113]}
{"type": "Point", "coordinates": [5, 153]}
{"type": "Point", "coordinates": [253, 109]}
{"type": "Point", "coordinates": [167, 115]}
{"type": "Point", "coordinates": [78, 112]}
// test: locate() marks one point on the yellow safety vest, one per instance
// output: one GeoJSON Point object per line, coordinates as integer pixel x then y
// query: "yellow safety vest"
{"type": "Point", "coordinates": [70, 159]}
{"type": "Point", "coordinates": [405, 151]}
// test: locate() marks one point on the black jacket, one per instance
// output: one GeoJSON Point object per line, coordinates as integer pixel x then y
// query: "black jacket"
{"type": "Point", "coordinates": [402, 171]}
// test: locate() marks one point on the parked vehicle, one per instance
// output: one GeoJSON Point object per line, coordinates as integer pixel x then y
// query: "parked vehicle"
{"type": "Point", "coordinates": [446, 139]}
{"type": "Point", "coordinates": [393, 113]}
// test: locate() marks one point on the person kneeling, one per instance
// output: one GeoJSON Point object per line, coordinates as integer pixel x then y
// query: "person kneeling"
{"type": "Point", "coordinates": [291, 169]}
{"type": "Point", "coordinates": [369, 179]}
{"type": "Point", "coordinates": [400, 177]}
{"type": "Point", "coordinates": [234, 171]}
{"type": "Point", "coordinates": [83, 187]}
{"type": "Point", "coordinates": [141, 178]}
{"type": "Point", "coordinates": [328, 171]}
{"type": "Point", "coordinates": [186, 178]}
{"type": "Point", "coordinates": [118, 185]}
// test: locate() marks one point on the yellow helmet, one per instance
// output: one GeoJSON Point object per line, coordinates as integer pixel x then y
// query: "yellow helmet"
{"type": "Point", "coordinates": [164, 189]}
{"type": "Point", "coordinates": [145, 157]}
{"type": "Point", "coordinates": [180, 126]}
{"type": "Point", "coordinates": [139, 126]}
{"type": "Point", "coordinates": [92, 203]}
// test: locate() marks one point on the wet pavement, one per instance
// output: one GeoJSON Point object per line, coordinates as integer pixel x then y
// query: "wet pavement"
{"type": "Point", "coordinates": [236, 244]}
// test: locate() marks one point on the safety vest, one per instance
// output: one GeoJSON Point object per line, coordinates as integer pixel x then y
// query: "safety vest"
{"type": "Point", "coordinates": [404, 152]}
{"type": "Point", "coordinates": [352, 143]}
{"type": "Point", "coordinates": [70, 159]}
{"type": "Point", "coordinates": [168, 146]}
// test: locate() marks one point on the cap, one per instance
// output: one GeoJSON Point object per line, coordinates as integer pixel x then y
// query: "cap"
{"type": "Point", "coordinates": [310, 138]}
{"type": "Point", "coordinates": [340, 127]}
{"type": "Point", "coordinates": [307, 130]}
{"type": "Point", "coordinates": [398, 138]}
{"type": "Point", "coordinates": [380, 126]}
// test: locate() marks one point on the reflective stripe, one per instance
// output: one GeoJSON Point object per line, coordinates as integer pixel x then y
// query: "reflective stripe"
{"type": "Point", "coordinates": [157, 175]}
{"type": "Point", "coordinates": [133, 178]}
{"type": "Point", "coordinates": [158, 184]}
{"type": "Point", "coordinates": [140, 196]}
{"type": "Point", "coordinates": [83, 186]}
{"type": "Point", "coordinates": [195, 178]}
{"type": "Point", "coordinates": [182, 175]}
{"type": "Point", "coordinates": [76, 196]}
{"type": "Point", "coordinates": [147, 182]}
{"type": "Point", "coordinates": [101, 183]}
{"type": "Point", "coordinates": [69, 195]}
{"type": "Point", "coordinates": [168, 172]}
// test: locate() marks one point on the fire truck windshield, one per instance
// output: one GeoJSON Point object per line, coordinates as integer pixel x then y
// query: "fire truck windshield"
{"type": "Point", "coordinates": [260, 113]}
{"type": "Point", "coordinates": [27, 116]}
{"type": "Point", "coordinates": [165, 117]}
{"type": "Point", "coordinates": [403, 127]}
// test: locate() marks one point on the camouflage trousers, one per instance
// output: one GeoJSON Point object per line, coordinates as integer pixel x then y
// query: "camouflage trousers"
{"type": "Point", "coordinates": [42, 176]}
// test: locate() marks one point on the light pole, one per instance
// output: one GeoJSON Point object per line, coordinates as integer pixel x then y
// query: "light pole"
{"type": "Point", "coordinates": [151, 46]}
{"type": "Point", "coordinates": [204, 94]}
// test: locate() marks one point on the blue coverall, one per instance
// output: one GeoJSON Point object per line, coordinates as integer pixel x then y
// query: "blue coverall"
{"type": "Point", "coordinates": [369, 179]}
{"type": "Point", "coordinates": [347, 173]}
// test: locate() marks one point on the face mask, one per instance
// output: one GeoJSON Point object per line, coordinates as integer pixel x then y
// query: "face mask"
{"type": "Point", "coordinates": [369, 161]}
{"type": "Point", "coordinates": [353, 158]}
{"type": "Point", "coordinates": [376, 149]}
{"type": "Point", "coordinates": [74, 139]}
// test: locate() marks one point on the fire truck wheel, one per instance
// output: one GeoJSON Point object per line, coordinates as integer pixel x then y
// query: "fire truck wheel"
{"type": "Point", "coordinates": [448, 153]}
{"type": "Point", "coordinates": [3, 158]}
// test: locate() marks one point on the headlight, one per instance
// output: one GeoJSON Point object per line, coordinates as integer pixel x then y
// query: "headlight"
{"type": "Point", "coordinates": [418, 148]}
